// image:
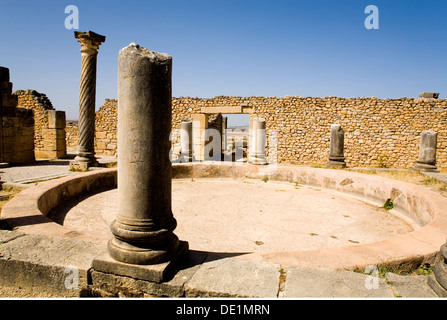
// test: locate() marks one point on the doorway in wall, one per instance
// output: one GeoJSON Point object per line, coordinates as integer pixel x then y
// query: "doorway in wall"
{"type": "Point", "coordinates": [235, 137]}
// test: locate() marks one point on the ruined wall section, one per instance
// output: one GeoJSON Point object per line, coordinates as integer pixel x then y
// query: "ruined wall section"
{"type": "Point", "coordinates": [16, 126]}
{"type": "Point", "coordinates": [49, 124]}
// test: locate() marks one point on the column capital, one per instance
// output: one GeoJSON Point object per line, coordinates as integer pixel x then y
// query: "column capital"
{"type": "Point", "coordinates": [89, 40]}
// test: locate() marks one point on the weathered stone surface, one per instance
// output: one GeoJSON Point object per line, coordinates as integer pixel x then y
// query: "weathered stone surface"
{"type": "Point", "coordinates": [410, 286]}
{"type": "Point", "coordinates": [234, 278]}
{"type": "Point", "coordinates": [49, 264]}
{"type": "Point", "coordinates": [325, 283]}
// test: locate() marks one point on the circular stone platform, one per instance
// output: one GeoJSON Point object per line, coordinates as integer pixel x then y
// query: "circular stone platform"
{"type": "Point", "coordinates": [301, 216]}
{"type": "Point", "coordinates": [249, 215]}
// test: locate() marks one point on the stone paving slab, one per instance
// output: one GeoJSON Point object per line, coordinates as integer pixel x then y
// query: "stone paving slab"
{"type": "Point", "coordinates": [229, 277]}
{"type": "Point", "coordinates": [410, 286]}
{"type": "Point", "coordinates": [49, 264]}
{"type": "Point", "coordinates": [304, 282]}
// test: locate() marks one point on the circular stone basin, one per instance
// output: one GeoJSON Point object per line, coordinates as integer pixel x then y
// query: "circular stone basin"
{"type": "Point", "coordinates": [249, 215]}
{"type": "Point", "coordinates": [285, 214]}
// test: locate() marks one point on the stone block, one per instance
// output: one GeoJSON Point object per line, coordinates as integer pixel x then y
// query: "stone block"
{"type": "Point", "coordinates": [56, 119]}
{"type": "Point", "coordinates": [154, 273]}
{"type": "Point", "coordinates": [4, 74]}
{"type": "Point", "coordinates": [229, 277]}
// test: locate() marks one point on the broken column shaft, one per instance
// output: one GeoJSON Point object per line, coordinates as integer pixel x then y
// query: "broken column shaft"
{"type": "Point", "coordinates": [143, 229]}
{"type": "Point", "coordinates": [427, 152]}
{"type": "Point", "coordinates": [336, 149]}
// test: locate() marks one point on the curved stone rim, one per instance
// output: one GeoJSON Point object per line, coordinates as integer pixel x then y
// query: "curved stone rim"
{"type": "Point", "coordinates": [26, 212]}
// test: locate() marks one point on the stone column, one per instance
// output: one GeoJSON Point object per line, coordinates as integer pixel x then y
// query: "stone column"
{"type": "Point", "coordinates": [186, 140]}
{"type": "Point", "coordinates": [257, 145]}
{"type": "Point", "coordinates": [90, 43]}
{"type": "Point", "coordinates": [143, 229]}
{"type": "Point", "coordinates": [336, 150]}
{"type": "Point", "coordinates": [427, 152]}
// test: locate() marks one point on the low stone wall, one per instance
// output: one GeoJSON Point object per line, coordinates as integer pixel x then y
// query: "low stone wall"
{"type": "Point", "coordinates": [378, 132]}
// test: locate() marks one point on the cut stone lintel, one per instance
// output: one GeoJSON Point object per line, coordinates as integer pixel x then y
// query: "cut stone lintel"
{"type": "Point", "coordinates": [227, 110]}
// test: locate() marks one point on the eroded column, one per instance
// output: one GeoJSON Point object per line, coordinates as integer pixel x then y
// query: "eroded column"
{"type": "Point", "coordinates": [90, 43]}
{"type": "Point", "coordinates": [427, 152]}
{"type": "Point", "coordinates": [336, 149]}
{"type": "Point", "coordinates": [143, 229]}
{"type": "Point", "coordinates": [257, 146]}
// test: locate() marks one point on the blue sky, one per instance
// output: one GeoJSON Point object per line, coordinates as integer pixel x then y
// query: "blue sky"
{"type": "Point", "coordinates": [229, 47]}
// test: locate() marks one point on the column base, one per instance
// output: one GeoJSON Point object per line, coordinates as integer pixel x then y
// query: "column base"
{"type": "Point", "coordinates": [154, 272]}
{"type": "Point", "coordinates": [425, 167]}
{"type": "Point", "coordinates": [438, 280]}
{"type": "Point", "coordinates": [257, 160]}
{"type": "Point", "coordinates": [83, 163]}
{"type": "Point", "coordinates": [336, 164]}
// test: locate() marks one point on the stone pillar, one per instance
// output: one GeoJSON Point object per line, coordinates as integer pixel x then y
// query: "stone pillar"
{"type": "Point", "coordinates": [438, 280]}
{"type": "Point", "coordinates": [257, 145]}
{"type": "Point", "coordinates": [336, 150]}
{"type": "Point", "coordinates": [54, 142]}
{"type": "Point", "coordinates": [143, 229]}
{"type": "Point", "coordinates": [427, 152]}
{"type": "Point", "coordinates": [199, 125]}
{"type": "Point", "coordinates": [186, 140]}
{"type": "Point", "coordinates": [90, 43]}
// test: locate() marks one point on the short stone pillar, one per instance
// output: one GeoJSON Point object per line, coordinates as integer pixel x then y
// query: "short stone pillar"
{"type": "Point", "coordinates": [427, 152]}
{"type": "Point", "coordinates": [143, 229]}
{"type": "Point", "coordinates": [438, 280]}
{"type": "Point", "coordinates": [186, 140]}
{"type": "Point", "coordinates": [54, 144]}
{"type": "Point", "coordinates": [336, 149]}
{"type": "Point", "coordinates": [257, 146]}
{"type": "Point", "coordinates": [90, 43]}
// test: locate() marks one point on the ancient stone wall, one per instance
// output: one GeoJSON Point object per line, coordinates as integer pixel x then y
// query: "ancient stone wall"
{"type": "Point", "coordinates": [16, 125]}
{"type": "Point", "coordinates": [378, 132]}
{"type": "Point", "coordinates": [106, 128]}
{"type": "Point", "coordinates": [49, 124]}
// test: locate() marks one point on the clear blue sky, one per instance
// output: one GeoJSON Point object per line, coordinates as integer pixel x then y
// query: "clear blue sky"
{"type": "Point", "coordinates": [235, 47]}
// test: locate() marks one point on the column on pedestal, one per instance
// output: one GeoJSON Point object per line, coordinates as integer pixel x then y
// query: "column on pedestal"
{"type": "Point", "coordinates": [336, 149]}
{"type": "Point", "coordinates": [143, 229]}
{"type": "Point", "coordinates": [90, 43]}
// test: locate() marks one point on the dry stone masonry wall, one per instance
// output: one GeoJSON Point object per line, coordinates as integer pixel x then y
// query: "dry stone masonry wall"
{"type": "Point", "coordinates": [49, 124]}
{"type": "Point", "coordinates": [377, 132]}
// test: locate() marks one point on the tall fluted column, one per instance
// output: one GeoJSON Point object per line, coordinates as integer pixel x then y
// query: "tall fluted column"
{"type": "Point", "coordinates": [90, 43]}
